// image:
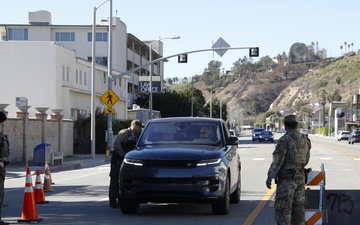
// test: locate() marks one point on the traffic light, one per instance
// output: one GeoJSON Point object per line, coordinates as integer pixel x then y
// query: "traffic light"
{"type": "Point", "coordinates": [182, 58]}
{"type": "Point", "coordinates": [254, 52]}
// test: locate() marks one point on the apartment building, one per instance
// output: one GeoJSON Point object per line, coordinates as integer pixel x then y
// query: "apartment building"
{"type": "Point", "coordinates": [50, 65]}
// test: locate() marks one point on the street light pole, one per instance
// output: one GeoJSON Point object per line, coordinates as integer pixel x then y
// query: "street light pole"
{"type": "Point", "coordinates": [192, 96]}
{"type": "Point", "coordinates": [93, 64]}
{"type": "Point", "coordinates": [151, 72]}
{"type": "Point", "coordinates": [109, 116]}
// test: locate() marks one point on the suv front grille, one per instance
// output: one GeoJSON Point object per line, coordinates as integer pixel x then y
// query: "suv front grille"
{"type": "Point", "coordinates": [170, 163]}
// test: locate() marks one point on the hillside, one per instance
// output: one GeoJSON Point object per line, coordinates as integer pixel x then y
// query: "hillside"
{"type": "Point", "coordinates": [284, 87]}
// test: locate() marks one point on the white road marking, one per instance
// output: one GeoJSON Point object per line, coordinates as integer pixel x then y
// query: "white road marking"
{"type": "Point", "coordinates": [326, 158]}
{"type": "Point", "coordinates": [258, 159]}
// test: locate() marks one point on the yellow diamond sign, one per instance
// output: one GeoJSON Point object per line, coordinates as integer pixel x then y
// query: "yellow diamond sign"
{"type": "Point", "coordinates": [109, 98]}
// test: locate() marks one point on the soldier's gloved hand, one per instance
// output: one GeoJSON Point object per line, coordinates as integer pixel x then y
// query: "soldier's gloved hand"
{"type": "Point", "coordinates": [1, 164]}
{"type": "Point", "coordinates": [268, 182]}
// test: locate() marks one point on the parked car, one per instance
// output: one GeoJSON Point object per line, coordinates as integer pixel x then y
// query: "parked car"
{"type": "Point", "coordinates": [171, 163]}
{"type": "Point", "coordinates": [354, 137]}
{"type": "Point", "coordinates": [343, 135]}
{"type": "Point", "coordinates": [256, 132]}
{"type": "Point", "coordinates": [266, 136]}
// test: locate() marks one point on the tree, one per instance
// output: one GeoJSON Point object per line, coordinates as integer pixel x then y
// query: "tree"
{"type": "Point", "coordinates": [341, 47]}
{"type": "Point", "coordinates": [345, 46]}
{"type": "Point", "coordinates": [299, 53]}
{"type": "Point", "coordinates": [169, 81]}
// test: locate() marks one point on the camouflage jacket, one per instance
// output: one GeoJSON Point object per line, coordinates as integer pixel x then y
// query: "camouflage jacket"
{"type": "Point", "coordinates": [291, 152]}
{"type": "Point", "coordinates": [120, 143]}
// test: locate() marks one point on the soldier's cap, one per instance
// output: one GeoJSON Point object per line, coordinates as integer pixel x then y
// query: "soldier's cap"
{"type": "Point", "coordinates": [137, 122]}
{"type": "Point", "coordinates": [290, 119]}
{"type": "Point", "coordinates": [2, 117]}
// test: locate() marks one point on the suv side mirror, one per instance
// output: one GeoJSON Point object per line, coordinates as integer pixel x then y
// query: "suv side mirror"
{"type": "Point", "coordinates": [233, 141]}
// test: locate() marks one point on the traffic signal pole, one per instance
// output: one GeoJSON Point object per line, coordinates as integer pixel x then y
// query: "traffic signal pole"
{"type": "Point", "coordinates": [254, 52]}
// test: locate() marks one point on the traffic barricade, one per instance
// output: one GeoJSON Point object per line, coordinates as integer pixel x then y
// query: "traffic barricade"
{"type": "Point", "coordinates": [317, 216]}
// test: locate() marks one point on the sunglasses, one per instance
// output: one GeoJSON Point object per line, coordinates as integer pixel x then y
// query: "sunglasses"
{"type": "Point", "coordinates": [203, 133]}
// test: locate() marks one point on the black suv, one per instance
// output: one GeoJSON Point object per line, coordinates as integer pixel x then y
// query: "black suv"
{"type": "Point", "coordinates": [174, 162]}
{"type": "Point", "coordinates": [354, 137]}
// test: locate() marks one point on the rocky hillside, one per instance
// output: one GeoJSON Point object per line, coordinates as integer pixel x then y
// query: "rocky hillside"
{"type": "Point", "coordinates": [285, 86]}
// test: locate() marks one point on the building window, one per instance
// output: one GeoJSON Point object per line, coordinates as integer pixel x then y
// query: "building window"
{"type": "Point", "coordinates": [18, 34]}
{"type": "Point", "coordinates": [100, 36]}
{"type": "Point", "coordinates": [80, 74]}
{"type": "Point", "coordinates": [76, 77]}
{"type": "Point", "coordinates": [100, 60]}
{"type": "Point", "coordinates": [63, 73]}
{"type": "Point", "coordinates": [85, 79]}
{"type": "Point", "coordinates": [64, 36]}
{"type": "Point", "coordinates": [67, 74]}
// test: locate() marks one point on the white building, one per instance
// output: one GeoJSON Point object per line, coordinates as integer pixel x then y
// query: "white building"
{"type": "Point", "coordinates": [50, 65]}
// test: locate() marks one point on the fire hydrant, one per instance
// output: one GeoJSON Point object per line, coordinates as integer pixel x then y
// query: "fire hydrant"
{"type": "Point", "coordinates": [107, 151]}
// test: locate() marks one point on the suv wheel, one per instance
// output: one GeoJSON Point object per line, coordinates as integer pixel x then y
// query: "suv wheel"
{"type": "Point", "coordinates": [222, 207]}
{"type": "Point", "coordinates": [235, 196]}
{"type": "Point", "coordinates": [128, 207]}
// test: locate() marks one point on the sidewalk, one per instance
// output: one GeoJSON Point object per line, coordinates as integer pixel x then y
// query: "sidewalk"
{"type": "Point", "coordinates": [70, 162]}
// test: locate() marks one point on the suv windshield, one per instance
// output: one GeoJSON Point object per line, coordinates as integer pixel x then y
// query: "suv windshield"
{"type": "Point", "coordinates": [170, 133]}
{"type": "Point", "coordinates": [258, 130]}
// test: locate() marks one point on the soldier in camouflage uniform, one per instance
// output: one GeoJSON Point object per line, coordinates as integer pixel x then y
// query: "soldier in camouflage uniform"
{"type": "Point", "coordinates": [291, 155]}
{"type": "Point", "coordinates": [117, 156]}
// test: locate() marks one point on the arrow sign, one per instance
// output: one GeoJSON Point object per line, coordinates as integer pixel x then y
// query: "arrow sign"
{"type": "Point", "coordinates": [109, 111]}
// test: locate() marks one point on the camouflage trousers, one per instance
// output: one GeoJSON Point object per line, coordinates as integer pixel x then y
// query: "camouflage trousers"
{"type": "Point", "coordinates": [290, 202]}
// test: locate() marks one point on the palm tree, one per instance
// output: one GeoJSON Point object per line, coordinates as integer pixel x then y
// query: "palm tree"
{"type": "Point", "coordinates": [341, 47]}
{"type": "Point", "coordinates": [345, 46]}
{"type": "Point", "coordinates": [352, 46]}
{"type": "Point", "coordinates": [349, 47]}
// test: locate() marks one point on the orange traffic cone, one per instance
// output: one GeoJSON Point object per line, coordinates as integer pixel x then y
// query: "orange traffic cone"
{"type": "Point", "coordinates": [47, 181]}
{"type": "Point", "coordinates": [29, 211]}
{"type": "Point", "coordinates": [38, 189]}
{"type": "Point", "coordinates": [47, 167]}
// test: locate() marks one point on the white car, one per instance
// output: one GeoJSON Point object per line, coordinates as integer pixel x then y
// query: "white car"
{"type": "Point", "coordinates": [343, 135]}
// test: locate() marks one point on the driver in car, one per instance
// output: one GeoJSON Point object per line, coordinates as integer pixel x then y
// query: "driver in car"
{"type": "Point", "coordinates": [204, 132]}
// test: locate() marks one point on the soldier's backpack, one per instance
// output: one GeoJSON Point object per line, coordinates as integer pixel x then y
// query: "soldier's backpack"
{"type": "Point", "coordinates": [4, 146]}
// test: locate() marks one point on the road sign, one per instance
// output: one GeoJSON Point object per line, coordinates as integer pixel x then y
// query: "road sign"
{"type": "Point", "coordinates": [254, 52]}
{"type": "Point", "coordinates": [109, 111]}
{"type": "Point", "coordinates": [182, 58]}
{"type": "Point", "coordinates": [21, 101]}
{"type": "Point", "coordinates": [109, 98]}
{"type": "Point", "coordinates": [221, 43]}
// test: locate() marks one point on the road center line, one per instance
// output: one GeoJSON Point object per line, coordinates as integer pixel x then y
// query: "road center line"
{"type": "Point", "coordinates": [251, 218]}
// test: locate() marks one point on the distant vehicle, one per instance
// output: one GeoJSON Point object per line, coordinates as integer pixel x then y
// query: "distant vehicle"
{"type": "Point", "coordinates": [266, 136]}
{"type": "Point", "coordinates": [281, 131]}
{"type": "Point", "coordinates": [305, 132]}
{"type": "Point", "coordinates": [343, 135]}
{"type": "Point", "coordinates": [256, 132]}
{"type": "Point", "coordinates": [354, 137]}
{"type": "Point", "coordinates": [172, 162]}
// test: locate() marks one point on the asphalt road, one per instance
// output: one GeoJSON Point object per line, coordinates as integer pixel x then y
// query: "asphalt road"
{"type": "Point", "coordinates": [80, 196]}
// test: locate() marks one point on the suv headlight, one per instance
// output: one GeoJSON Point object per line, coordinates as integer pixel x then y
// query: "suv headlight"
{"type": "Point", "coordinates": [134, 162]}
{"type": "Point", "coordinates": [208, 162]}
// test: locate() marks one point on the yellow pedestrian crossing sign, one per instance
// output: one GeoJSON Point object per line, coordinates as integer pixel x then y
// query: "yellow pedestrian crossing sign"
{"type": "Point", "coordinates": [109, 98]}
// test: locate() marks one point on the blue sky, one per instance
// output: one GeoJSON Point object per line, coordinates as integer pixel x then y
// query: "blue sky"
{"type": "Point", "coordinates": [273, 26]}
